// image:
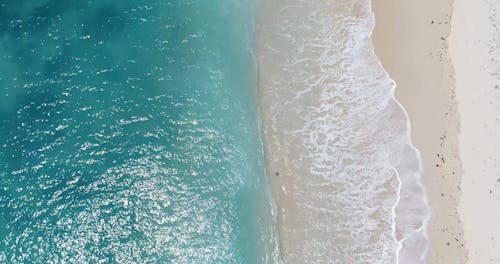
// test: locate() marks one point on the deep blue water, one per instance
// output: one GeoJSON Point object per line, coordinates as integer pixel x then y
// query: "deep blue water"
{"type": "Point", "coordinates": [129, 133]}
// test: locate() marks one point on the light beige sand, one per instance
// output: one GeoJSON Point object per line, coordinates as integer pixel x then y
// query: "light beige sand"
{"type": "Point", "coordinates": [475, 48]}
{"type": "Point", "coordinates": [410, 39]}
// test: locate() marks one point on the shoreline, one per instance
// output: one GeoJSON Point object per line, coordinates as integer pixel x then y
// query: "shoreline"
{"type": "Point", "coordinates": [336, 138]}
{"type": "Point", "coordinates": [424, 77]}
{"type": "Point", "coordinates": [414, 243]}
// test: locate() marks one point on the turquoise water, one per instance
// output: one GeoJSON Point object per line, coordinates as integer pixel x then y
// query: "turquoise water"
{"type": "Point", "coordinates": [129, 133]}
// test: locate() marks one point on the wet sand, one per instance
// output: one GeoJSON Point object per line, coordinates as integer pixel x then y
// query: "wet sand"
{"type": "Point", "coordinates": [411, 40]}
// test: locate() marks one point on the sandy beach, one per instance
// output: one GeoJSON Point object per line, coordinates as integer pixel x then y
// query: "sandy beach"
{"type": "Point", "coordinates": [443, 56]}
{"type": "Point", "coordinates": [475, 50]}
{"type": "Point", "coordinates": [443, 60]}
{"type": "Point", "coordinates": [410, 39]}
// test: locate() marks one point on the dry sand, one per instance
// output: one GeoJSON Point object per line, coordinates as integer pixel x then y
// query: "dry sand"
{"type": "Point", "coordinates": [475, 50]}
{"type": "Point", "coordinates": [410, 39]}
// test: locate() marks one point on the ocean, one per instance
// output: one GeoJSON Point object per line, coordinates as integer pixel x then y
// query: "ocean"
{"type": "Point", "coordinates": [129, 133]}
{"type": "Point", "coordinates": [194, 131]}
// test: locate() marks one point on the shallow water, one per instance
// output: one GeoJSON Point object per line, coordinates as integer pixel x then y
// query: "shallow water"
{"type": "Point", "coordinates": [129, 134]}
{"type": "Point", "coordinates": [341, 164]}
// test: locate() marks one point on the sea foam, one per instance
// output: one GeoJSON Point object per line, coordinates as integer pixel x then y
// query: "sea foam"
{"type": "Point", "coordinates": [345, 174]}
